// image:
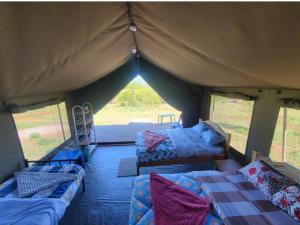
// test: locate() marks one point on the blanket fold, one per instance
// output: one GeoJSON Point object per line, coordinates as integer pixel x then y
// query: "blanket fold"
{"type": "Point", "coordinates": [29, 183]}
{"type": "Point", "coordinates": [174, 205]}
{"type": "Point", "coordinates": [152, 139]}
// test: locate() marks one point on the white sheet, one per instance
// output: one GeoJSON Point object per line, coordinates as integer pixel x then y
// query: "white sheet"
{"type": "Point", "coordinates": [31, 211]}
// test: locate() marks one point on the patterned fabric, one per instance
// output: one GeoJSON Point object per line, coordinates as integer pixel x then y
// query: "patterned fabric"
{"type": "Point", "coordinates": [65, 191]}
{"type": "Point", "coordinates": [288, 200]}
{"type": "Point", "coordinates": [141, 207]}
{"type": "Point", "coordinates": [253, 170]}
{"type": "Point", "coordinates": [190, 209]}
{"type": "Point", "coordinates": [29, 183]}
{"type": "Point", "coordinates": [272, 182]}
{"type": "Point", "coordinates": [164, 150]}
{"type": "Point", "coordinates": [238, 202]}
{"type": "Point", "coordinates": [264, 178]}
{"type": "Point", "coordinates": [183, 143]}
{"type": "Point", "coordinates": [151, 140]}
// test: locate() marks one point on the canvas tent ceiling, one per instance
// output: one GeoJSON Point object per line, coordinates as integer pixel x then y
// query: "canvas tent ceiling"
{"type": "Point", "coordinates": [51, 48]}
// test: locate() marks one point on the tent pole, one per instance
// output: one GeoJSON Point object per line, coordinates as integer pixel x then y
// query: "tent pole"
{"type": "Point", "coordinates": [61, 123]}
{"type": "Point", "coordinates": [284, 134]}
{"type": "Point", "coordinates": [213, 108]}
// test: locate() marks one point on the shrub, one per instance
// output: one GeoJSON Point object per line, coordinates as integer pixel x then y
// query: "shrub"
{"type": "Point", "coordinates": [137, 95]}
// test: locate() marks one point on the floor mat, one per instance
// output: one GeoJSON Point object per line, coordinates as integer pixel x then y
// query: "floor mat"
{"type": "Point", "coordinates": [127, 167]}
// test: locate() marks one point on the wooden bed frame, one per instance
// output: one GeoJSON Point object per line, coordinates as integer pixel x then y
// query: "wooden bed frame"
{"type": "Point", "coordinates": [189, 160]}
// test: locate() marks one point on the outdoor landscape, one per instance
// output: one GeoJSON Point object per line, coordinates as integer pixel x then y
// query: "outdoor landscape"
{"type": "Point", "coordinates": [40, 130]}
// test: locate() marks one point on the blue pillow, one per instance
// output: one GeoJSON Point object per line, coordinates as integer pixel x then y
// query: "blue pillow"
{"type": "Point", "coordinates": [211, 137]}
{"type": "Point", "coordinates": [199, 128]}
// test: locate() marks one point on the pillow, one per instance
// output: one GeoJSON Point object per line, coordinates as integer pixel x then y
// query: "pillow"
{"type": "Point", "coordinates": [216, 127]}
{"type": "Point", "coordinates": [264, 178]}
{"type": "Point", "coordinates": [254, 169]}
{"type": "Point", "coordinates": [210, 137]}
{"type": "Point", "coordinates": [272, 182]}
{"type": "Point", "coordinates": [199, 128]}
{"type": "Point", "coordinates": [288, 200]}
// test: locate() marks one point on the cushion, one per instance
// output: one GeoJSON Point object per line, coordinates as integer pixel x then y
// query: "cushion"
{"type": "Point", "coordinates": [216, 127]}
{"type": "Point", "coordinates": [288, 200]}
{"type": "Point", "coordinates": [190, 209]}
{"type": "Point", "coordinates": [272, 182]}
{"type": "Point", "coordinates": [254, 169]}
{"type": "Point", "coordinates": [264, 178]}
{"type": "Point", "coordinates": [210, 137]}
{"type": "Point", "coordinates": [199, 128]}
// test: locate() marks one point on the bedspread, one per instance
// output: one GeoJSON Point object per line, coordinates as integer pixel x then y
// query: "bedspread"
{"type": "Point", "coordinates": [180, 143]}
{"type": "Point", "coordinates": [238, 202]}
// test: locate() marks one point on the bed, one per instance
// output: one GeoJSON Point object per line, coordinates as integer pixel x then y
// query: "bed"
{"type": "Point", "coordinates": [48, 204]}
{"type": "Point", "coordinates": [181, 145]}
{"type": "Point", "coordinates": [235, 201]}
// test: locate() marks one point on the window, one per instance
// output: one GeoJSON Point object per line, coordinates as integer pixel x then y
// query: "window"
{"type": "Point", "coordinates": [286, 139]}
{"type": "Point", "coordinates": [42, 130]}
{"type": "Point", "coordinates": [234, 115]}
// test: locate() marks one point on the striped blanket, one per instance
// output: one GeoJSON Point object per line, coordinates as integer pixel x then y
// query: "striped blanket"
{"type": "Point", "coordinates": [65, 191]}
{"type": "Point", "coordinates": [238, 202]}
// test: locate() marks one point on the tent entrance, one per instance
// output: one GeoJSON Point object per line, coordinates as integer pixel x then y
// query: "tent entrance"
{"type": "Point", "coordinates": [136, 108]}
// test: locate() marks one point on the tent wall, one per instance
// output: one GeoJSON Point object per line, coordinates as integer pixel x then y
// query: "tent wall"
{"type": "Point", "coordinates": [105, 89]}
{"type": "Point", "coordinates": [101, 91]}
{"type": "Point", "coordinates": [264, 116]}
{"type": "Point", "coordinates": [191, 100]}
{"type": "Point", "coordinates": [11, 155]}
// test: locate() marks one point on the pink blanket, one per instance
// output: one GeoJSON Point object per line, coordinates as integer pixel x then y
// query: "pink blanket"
{"type": "Point", "coordinates": [152, 139]}
{"type": "Point", "coordinates": [174, 205]}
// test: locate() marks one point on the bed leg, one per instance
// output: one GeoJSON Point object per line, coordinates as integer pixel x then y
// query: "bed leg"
{"type": "Point", "coordinates": [83, 185]}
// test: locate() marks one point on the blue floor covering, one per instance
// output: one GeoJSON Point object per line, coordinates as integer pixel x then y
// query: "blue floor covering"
{"type": "Point", "coordinates": [106, 200]}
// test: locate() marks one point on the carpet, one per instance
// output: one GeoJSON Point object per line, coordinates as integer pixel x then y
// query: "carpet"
{"type": "Point", "coordinates": [127, 167]}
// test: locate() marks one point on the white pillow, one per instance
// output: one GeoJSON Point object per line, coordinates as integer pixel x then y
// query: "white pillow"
{"type": "Point", "coordinates": [216, 127]}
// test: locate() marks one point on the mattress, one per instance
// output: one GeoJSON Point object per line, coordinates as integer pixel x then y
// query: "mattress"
{"type": "Point", "coordinates": [31, 211]}
{"type": "Point", "coordinates": [141, 207]}
{"type": "Point", "coordinates": [189, 145]}
{"type": "Point", "coordinates": [64, 191]}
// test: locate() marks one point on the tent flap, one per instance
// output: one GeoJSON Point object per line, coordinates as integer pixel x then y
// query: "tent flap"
{"type": "Point", "coordinates": [105, 89]}
{"type": "Point", "coordinates": [179, 94]}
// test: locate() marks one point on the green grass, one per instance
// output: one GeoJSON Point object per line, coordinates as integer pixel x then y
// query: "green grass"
{"type": "Point", "coordinates": [235, 116]}
{"type": "Point", "coordinates": [40, 131]}
{"type": "Point", "coordinates": [114, 114]}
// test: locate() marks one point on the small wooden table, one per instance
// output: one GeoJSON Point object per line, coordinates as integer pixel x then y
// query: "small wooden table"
{"type": "Point", "coordinates": [163, 115]}
{"type": "Point", "coordinates": [227, 165]}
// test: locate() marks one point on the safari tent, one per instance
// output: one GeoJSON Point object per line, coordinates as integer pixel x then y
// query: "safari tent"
{"type": "Point", "coordinates": [187, 52]}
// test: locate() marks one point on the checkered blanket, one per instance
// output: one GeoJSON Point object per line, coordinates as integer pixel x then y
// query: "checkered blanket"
{"type": "Point", "coordinates": [238, 202]}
